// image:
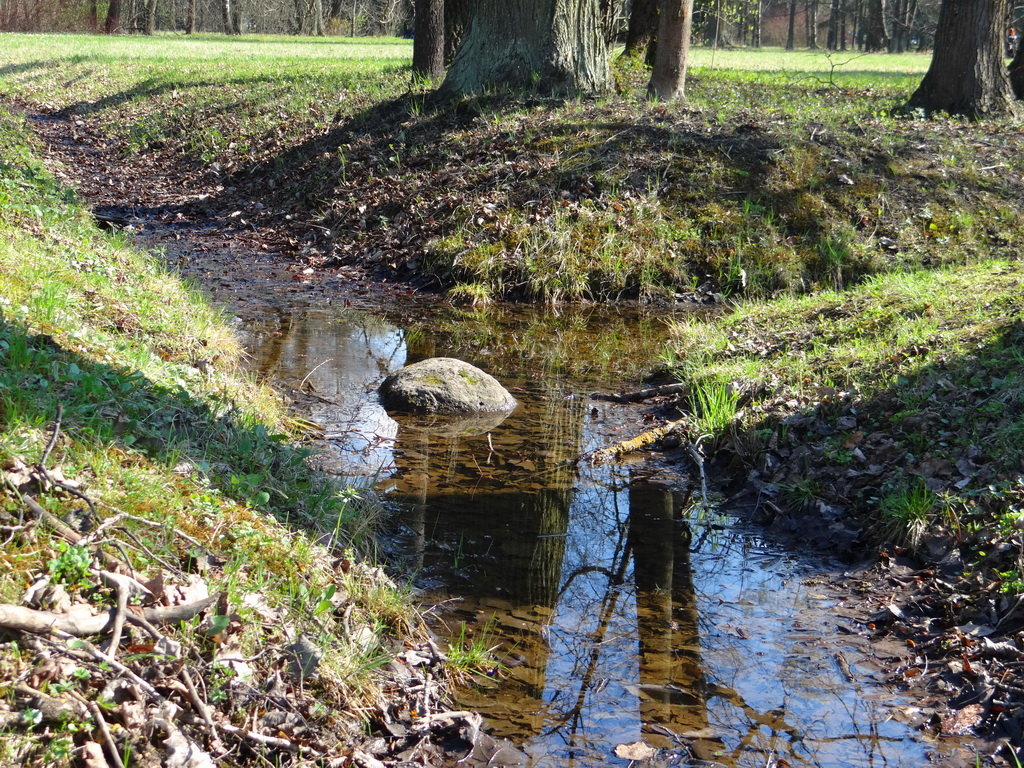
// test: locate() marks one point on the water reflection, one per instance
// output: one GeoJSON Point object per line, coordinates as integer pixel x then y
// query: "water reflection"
{"type": "Point", "coordinates": [620, 618]}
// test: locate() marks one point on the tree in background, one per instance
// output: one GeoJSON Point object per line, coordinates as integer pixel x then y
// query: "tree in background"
{"type": "Point", "coordinates": [642, 30]}
{"type": "Point", "coordinates": [428, 39]}
{"type": "Point", "coordinates": [150, 17]}
{"type": "Point", "coordinates": [553, 46]}
{"type": "Point", "coordinates": [967, 75]}
{"type": "Point", "coordinates": [112, 24]}
{"type": "Point", "coordinates": [668, 77]}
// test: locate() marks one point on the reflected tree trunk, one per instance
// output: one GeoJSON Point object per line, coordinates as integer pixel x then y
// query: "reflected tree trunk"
{"type": "Point", "coordinates": [672, 681]}
{"type": "Point", "coordinates": [672, 684]}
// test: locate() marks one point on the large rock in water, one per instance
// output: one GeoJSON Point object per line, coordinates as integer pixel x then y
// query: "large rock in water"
{"type": "Point", "coordinates": [445, 385]}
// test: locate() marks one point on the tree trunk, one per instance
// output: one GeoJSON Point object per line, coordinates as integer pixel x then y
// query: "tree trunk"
{"type": "Point", "coordinates": [428, 40]}
{"type": "Point", "coordinates": [791, 32]}
{"type": "Point", "coordinates": [668, 78]}
{"type": "Point", "coordinates": [967, 75]}
{"type": "Point", "coordinates": [225, 9]}
{"type": "Point", "coordinates": [150, 17]}
{"type": "Point", "coordinates": [316, 18]}
{"type": "Point", "coordinates": [609, 15]}
{"type": "Point", "coordinates": [457, 17]}
{"type": "Point", "coordinates": [1017, 72]}
{"type": "Point", "coordinates": [553, 46]}
{"type": "Point", "coordinates": [876, 35]}
{"type": "Point", "coordinates": [812, 24]}
{"type": "Point", "coordinates": [842, 26]}
{"type": "Point", "coordinates": [642, 30]}
{"type": "Point", "coordinates": [832, 42]}
{"type": "Point", "coordinates": [94, 15]}
{"type": "Point", "coordinates": [191, 17]}
{"type": "Point", "coordinates": [112, 25]}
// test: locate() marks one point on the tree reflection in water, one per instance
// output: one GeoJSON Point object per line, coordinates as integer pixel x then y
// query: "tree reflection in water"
{"type": "Point", "coordinates": [617, 624]}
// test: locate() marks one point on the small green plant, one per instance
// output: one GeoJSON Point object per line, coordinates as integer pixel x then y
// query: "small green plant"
{"type": "Point", "coordinates": [71, 566]}
{"type": "Point", "coordinates": [907, 511]}
{"type": "Point", "coordinates": [474, 654]}
{"type": "Point", "coordinates": [715, 405]}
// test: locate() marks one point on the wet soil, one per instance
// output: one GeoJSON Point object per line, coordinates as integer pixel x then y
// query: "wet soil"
{"type": "Point", "coordinates": [643, 632]}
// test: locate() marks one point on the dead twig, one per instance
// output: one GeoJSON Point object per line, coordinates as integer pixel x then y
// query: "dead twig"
{"type": "Point", "coordinates": [108, 739]}
{"type": "Point", "coordinates": [72, 624]}
{"type": "Point", "coordinates": [642, 394]}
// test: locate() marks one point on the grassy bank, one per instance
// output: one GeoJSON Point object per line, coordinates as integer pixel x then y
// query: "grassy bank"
{"type": "Point", "coordinates": [898, 403]}
{"type": "Point", "coordinates": [786, 173]}
{"type": "Point", "coordinates": [133, 451]}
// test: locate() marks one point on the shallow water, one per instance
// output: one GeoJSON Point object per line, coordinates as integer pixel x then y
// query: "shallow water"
{"type": "Point", "coordinates": [617, 615]}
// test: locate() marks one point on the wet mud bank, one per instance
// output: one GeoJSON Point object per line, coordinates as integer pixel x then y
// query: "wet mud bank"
{"type": "Point", "coordinates": [618, 611]}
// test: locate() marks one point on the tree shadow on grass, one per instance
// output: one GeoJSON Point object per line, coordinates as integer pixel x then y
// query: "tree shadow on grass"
{"type": "Point", "coordinates": [109, 407]}
{"type": "Point", "coordinates": [952, 428]}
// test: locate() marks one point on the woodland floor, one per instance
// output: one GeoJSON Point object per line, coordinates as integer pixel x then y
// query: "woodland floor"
{"type": "Point", "coordinates": [949, 641]}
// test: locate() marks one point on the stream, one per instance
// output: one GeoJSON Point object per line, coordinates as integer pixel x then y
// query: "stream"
{"type": "Point", "coordinates": [620, 609]}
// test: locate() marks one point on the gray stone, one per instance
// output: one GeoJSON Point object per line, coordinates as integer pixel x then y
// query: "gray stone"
{"type": "Point", "coordinates": [445, 385]}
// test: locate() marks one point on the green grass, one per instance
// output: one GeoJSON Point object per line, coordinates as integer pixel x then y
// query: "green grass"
{"type": "Point", "coordinates": [785, 174]}
{"type": "Point", "coordinates": [188, 464]}
{"type": "Point", "coordinates": [899, 400]}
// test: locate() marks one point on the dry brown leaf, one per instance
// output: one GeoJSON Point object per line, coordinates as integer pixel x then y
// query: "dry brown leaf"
{"type": "Point", "coordinates": [638, 750]}
{"type": "Point", "coordinates": [963, 721]}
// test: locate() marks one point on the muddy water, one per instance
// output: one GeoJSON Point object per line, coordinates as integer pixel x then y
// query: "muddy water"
{"type": "Point", "coordinates": [618, 617]}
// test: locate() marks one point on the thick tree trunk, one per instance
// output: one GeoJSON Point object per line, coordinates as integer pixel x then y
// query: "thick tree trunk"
{"type": "Point", "coordinates": [428, 40]}
{"type": "Point", "coordinates": [877, 34]}
{"type": "Point", "coordinates": [642, 31]}
{"type": "Point", "coordinates": [151, 17]}
{"type": "Point", "coordinates": [668, 78]}
{"type": "Point", "coordinates": [94, 15]}
{"type": "Point", "coordinates": [812, 24]}
{"type": "Point", "coordinates": [191, 17]}
{"type": "Point", "coordinates": [457, 17]}
{"type": "Point", "coordinates": [553, 46]}
{"type": "Point", "coordinates": [967, 75]}
{"type": "Point", "coordinates": [112, 25]}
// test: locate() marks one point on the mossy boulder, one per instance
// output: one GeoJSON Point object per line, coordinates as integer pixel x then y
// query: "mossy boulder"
{"type": "Point", "coordinates": [444, 385]}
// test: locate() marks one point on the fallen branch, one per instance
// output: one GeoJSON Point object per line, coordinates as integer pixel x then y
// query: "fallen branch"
{"type": "Point", "coordinates": [643, 394]}
{"type": "Point", "coordinates": [22, 619]}
{"type": "Point", "coordinates": [613, 452]}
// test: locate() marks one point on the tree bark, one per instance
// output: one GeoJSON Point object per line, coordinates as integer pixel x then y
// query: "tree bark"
{"type": "Point", "coordinates": [1017, 72]}
{"type": "Point", "coordinates": [457, 17]}
{"type": "Point", "coordinates": [428, 39]}
{"type": "Point", "coordinates": [967, 75]}
{"type": "Point", "coordinates": [150, 17]}
{"type": "Point", "coordinates": [191, 17]}
{"type": "Point", "coordinates": [112, 25]}
{"type": "Point", "coordinates": [552, 46]}
{"type": "Point", "coordinates": [642, 31]}
{"type": "Point", "coordinates": [668, 78]}
{"type": "Point", "coordinates": [791, 32]}
{"type": "Point", "coordinates": [877, 34]}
